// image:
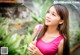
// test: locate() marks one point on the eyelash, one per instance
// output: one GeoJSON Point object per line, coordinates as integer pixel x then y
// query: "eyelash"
{"type": "Point", "coordinates": [52, 13]}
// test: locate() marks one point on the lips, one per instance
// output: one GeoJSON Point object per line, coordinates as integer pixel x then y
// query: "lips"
{"type": "Point", "coordinates": [47, 20]}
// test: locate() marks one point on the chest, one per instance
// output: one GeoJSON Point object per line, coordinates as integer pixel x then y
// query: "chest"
{"type": "Point", "coordinates": [48, 48]}
{"type": "Point", "coordinates": [49, 38]}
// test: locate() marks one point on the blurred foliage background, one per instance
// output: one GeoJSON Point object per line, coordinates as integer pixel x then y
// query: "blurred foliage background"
{"type": "Point", "coordinates": [17, 24]}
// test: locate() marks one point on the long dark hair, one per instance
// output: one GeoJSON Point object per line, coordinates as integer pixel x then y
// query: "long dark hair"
{"type": "Point", "coordinates": [63, 28]}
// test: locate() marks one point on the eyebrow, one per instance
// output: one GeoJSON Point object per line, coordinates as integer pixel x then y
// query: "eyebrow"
{"type": "Point", "coordinates": [54, 12]}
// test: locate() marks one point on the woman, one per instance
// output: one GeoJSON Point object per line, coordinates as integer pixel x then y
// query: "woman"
{"type": "Point", "coordinates": [53, 37]}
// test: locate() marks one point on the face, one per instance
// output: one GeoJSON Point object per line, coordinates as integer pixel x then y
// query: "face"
{"type": "Point", "coordinates": [52, 18]}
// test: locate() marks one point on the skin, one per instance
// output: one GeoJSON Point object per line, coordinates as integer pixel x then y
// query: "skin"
{"type": "Point", "coordinates": [52, 21]}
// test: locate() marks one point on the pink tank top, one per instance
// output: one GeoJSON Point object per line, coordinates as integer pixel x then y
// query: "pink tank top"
{"type": "Point", "coordinates": [50, 48]}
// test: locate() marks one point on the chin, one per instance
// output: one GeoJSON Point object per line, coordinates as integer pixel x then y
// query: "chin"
{"type": "Point", "coordinates": [47, 24]}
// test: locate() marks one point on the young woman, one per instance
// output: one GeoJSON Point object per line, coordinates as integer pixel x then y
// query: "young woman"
{"type": "Point", "coordinates": [53, 37]}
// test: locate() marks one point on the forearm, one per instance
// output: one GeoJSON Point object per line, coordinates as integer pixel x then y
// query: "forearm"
{"type": "Point", "coordinates": [40, 54]}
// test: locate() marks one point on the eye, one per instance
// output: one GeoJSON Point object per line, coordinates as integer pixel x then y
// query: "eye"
{"type": "Point", "coordinates": [53, 14]}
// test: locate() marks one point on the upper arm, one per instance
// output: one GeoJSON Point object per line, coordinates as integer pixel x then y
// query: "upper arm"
{"type": "Point", "coordinates": [60, 47]}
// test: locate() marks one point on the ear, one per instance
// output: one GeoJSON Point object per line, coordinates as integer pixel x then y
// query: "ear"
{"type": "Point", "coordinates": [61, 21]}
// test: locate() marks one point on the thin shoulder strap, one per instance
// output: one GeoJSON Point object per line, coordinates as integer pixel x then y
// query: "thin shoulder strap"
{"type": "Point", "coordinates": [40, 27]}
{"type": "Point", "coordinates": [39, 31]}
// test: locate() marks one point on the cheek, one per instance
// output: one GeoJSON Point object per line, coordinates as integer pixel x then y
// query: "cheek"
{"type": "Point", "coordinates": [55, 21]}
{"type": "Point", "coordinates": [47, 15]}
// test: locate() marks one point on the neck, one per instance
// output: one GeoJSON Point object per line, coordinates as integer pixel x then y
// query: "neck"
{"type": "Point", "coordinates": [52, 29]}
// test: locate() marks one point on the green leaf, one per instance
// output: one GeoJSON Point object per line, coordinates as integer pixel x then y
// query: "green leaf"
{"type": "Point", "coordinates": [6, 38]}
{"type": "Point", "coordinates": [41, 7]}
{"type": "Point", "coordinates": [2, 31]}
{"type": "Point", "coordinates": [35, 19]}
{"type": "Point", "coordinates": [29, 38]}
{"type": "Point", "coordinates": [1, 20]}
{"type": "Point", "coordinates": [15, 44]}
{"type": "Point", "coordinates": [79, 37]}
{"type": "Point", "coordinates": [44, 7]}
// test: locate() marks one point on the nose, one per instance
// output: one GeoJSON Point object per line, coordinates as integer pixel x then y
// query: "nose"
{"type": "Point", "coordinates": [48, 15]}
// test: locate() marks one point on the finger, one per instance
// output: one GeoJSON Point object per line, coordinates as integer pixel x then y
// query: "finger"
{"type": "Point", "coordinates": [34, 42]}
{"type": "Point", "coordinates": [30, 52]}
{"type": "Point", "coordinates": [29, 49]}
{"type": "Point", "coordinates": [32, 46]}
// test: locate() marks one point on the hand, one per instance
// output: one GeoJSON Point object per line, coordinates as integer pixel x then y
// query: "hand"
{"type": "Point", "coordinates": [33, 49]}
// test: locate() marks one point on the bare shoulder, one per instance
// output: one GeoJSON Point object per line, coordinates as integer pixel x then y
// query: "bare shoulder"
{"type": "Point", "coordinates": [36, 29]}
{"type": "Point", "coordinates": [37, 26]}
